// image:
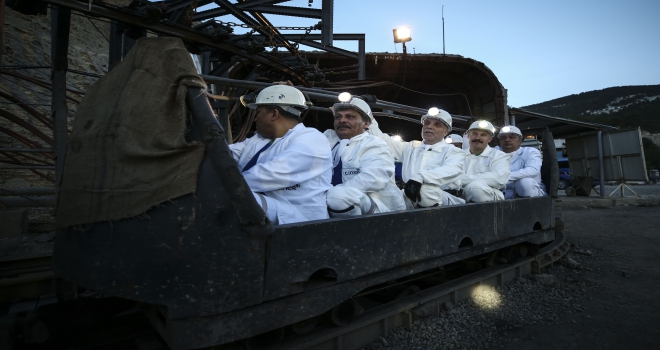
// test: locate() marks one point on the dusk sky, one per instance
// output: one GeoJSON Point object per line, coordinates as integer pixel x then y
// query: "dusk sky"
{"type": "Point", "coordinates": [539, 50]}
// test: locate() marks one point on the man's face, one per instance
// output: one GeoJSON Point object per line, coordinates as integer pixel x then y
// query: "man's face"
{"type": "Point", "coordinates": [510, 142]}
{"type": "Point", "coordinates": [479, 139]}
{"type": "Point", "coordinates": [264, 122]}
{"type": "Point", "coordinates": [434, 131]}
{"type": "Point", "coordinates": [349, 123]}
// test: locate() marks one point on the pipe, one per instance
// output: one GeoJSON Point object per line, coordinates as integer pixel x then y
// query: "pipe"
{"type": "Point", "coordinates": [320, 94]}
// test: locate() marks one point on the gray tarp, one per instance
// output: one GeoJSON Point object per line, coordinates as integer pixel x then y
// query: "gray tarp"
{"type": "Point", "coordinates": [127, 151]}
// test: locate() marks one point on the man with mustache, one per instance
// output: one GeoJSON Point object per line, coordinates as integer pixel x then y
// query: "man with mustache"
{"type": "Point", "coordinates": [363, 166]}
{"type": "Point", "coordinates": [286, 165]}
{"type": "Point", "coordinates": [431, 168]}
{"type": "Point", "coordinates": [486, 169]}
{"type": "Point", "coordinates": [525, 178]}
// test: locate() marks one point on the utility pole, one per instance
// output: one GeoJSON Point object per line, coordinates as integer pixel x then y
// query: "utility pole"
{"type": "Point", "coordinates": [443, 29]}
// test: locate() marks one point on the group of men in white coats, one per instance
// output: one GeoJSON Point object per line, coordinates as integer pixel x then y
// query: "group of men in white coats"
{"type": "Point", "coordinates": [299, 174]}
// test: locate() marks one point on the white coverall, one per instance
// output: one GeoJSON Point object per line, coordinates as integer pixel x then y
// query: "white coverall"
{"type": "Point", "coordinates": [291, 177]}
{"type": "Point", "coordinates": [485, 175]}
{"type": "Point", "coordinates": [437, 167]}
{"type": "Point", "coordinates": [525, 178]}
{"type": "Point", "coordinates": [367, 177]}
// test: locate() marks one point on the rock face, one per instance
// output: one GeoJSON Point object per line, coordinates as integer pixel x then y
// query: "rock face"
{"type": "Point", "coordinates": [27, 45]}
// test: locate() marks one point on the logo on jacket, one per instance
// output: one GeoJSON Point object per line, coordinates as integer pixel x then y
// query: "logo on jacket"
{"type": "Point", "coordinates": [290, 188]}
{"type": "Point", "coordinates": [352, 171]}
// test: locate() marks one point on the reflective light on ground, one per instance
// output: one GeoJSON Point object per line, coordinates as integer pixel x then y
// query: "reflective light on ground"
{"type": "Point", "coordinates": [486, 298]}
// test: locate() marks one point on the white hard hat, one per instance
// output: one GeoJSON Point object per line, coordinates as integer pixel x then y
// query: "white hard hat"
{"type": "Point", "coordinates": [510, 129]}
{"type": "Point", "coordinates": [454, 138]}
{"type": "Point", "coordinates": [287, 97]}
{"type": "Point", "coordinates": [439, 114]}
{"type": "Point", "coordinates": [484, 125]}
{"type": "Point", "coordinates": [346, 101]}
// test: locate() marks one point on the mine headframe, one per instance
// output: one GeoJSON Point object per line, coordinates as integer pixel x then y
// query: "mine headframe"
{"type": "Point", "coordinates": [259, 50]}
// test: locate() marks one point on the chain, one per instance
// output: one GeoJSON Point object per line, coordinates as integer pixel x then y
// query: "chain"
{"type": "Point", "coordinates": [192, 9]}
{"type": "Point", "coordinates": [243, 25]}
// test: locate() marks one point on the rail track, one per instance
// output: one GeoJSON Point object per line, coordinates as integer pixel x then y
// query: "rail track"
{"type": "Point", "coordinates": [380, 320]}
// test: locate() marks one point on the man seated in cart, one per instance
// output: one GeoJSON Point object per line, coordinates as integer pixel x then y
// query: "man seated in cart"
{"type": "Point", "coordinates": [525, 178]}
{"type": "Point", "coordinates": [287, 165]}
{"type": "Point", "coordinates": [455, 140]}
{"type": "Point", "coordinates": [486, 169]}
{"type": "Point", "coordinates": [431, 168]}
{"type": "Point", "coordinates": [363, 166]}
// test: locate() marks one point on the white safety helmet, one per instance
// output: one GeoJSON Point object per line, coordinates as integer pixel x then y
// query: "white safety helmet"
{"type": "Point", "coordinates": [510, 129]}
{"type": "Point", "coordinates": [347, 101]}
{"type": "Point", "coordinates": [287, 97]}
{"type": "Point", "coordinates": [484, 125]}
{"type": "Point", "coordinates": [439, 114]}
{"type": "Point", "coordinates": [454, 138]}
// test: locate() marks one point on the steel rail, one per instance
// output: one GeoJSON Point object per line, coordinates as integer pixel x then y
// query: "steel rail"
{"type": "Point", "coordinates": [173, 30]}
{"type": "Point", "coordinates": [377, 322]}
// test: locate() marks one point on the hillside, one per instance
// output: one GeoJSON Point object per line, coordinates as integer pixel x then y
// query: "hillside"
{"type": "Point", "coordinates": [624, 106]}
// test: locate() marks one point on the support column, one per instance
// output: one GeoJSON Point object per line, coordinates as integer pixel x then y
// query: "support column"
{"type": "Point", "coordinates": [601, 169]}
{"type": "Point", "coordinates": [327, 9]}
{"type": "Point", "coordinates": [361, 60]}
{"type": "Point", "coordinates": [60, 25]}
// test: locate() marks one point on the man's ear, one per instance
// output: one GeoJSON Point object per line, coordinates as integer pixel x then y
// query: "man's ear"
{"type": "Point", "coordinates": [276, 114]}
{"type": "Point", "coordinates": [366, 125]}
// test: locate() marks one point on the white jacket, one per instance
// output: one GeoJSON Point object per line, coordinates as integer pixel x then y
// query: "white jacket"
{"type": "Point", "coordinates": [525, 162]}
{"type": "Point", "coordinates": [440, 164]}
{"type": "Point", "coordinates": [296, 169]}
{"type": "Point", "coordinates": [490, 167]}
{"type": "Point", "coordinates": [367, 165]}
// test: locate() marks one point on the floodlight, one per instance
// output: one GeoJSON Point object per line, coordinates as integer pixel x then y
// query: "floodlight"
{"type": "Point", "coordinates": [344, 97]}
{"type": "Point", "coordinates": [433, 111]}
{"type": "Point", "coordinates": [397, 138]}
{"type": "Point", "coordinates": [506, 129]}
{"type": "Point", "coordinates": [449, 140]}
{"type": "Point", "coordinates": [402, 35]}
{"type": "Point", "coordinates": [483, 124]}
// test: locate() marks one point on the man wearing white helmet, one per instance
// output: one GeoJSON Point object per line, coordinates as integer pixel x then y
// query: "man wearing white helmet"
{"type": "Point", "coordinates": [431, 168]}
{"type": "Point", "coordinates": [363, 166]}
{"type": "Point", "coordinates": [525, 178]}
{"type": "Point", "coordinates": [456, 140]}
{"type": "Point", "coordinates": [286, 165]}
{"type": "Point", "coordinates": [486, 169]}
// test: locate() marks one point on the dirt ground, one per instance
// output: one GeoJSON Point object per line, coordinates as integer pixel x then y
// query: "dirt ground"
{"type": "Point", "coordinates": [621, 309]}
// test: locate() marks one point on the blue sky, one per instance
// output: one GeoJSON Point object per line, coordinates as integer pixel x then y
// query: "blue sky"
{"type": "Point", "coordinates": [539, 50]}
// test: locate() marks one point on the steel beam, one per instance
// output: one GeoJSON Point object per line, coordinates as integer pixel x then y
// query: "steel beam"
{"type": "Point", "coordinates": [287, 11]}
{"type": "Point", "coordinates": [328, 8]}
{"type": "Point", "coordinates": [60, 26]}
{"type": "Point", "coordinates": [331, 49]}
{"type": "Point", "coordinates": [218, 12]}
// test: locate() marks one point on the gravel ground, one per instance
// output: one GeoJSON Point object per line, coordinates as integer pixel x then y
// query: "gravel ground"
{"type": "Point", "coordinates": [604, 296]}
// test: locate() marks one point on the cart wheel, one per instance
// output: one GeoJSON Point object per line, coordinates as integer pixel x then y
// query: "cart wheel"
{"type": "Point", "coordinates": [570, 191]}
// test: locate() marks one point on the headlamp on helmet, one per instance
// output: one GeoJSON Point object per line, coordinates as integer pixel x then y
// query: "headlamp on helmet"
{"type": "Point", "coordinates": [347, 101]}
{"type": "Point", "coordinates": [439, 114]}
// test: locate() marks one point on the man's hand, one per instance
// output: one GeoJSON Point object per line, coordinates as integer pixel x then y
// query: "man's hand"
{"type": "Point", "coordinates": [411, 189]}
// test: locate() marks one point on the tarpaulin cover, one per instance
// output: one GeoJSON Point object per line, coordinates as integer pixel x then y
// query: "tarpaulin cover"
{"type": "Point", "coordinates": [127, 151]}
